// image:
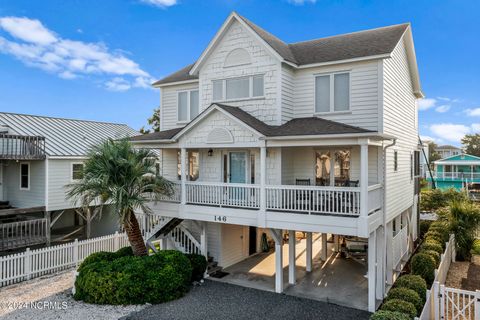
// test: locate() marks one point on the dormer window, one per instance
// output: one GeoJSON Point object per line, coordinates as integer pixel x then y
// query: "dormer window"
{"type": "Point", "coordinates": [240, 88]}
{"type": "Point", "coordinates": [187, 105]}
{"type": "Point", "coordinates": [332, 92]}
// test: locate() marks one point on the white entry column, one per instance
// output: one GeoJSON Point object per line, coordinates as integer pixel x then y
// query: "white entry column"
{"type": "Point", "coordinates": [183, 174]}
{"type": "Point", "coordinates": [309, 252]}
{"type": "Point", "coordinates": [277, 236]}
{"type": "Point", "coordinates": [364, 179]}
{"type": "Point", "coordinates": [372, 268]}
{"type": "Point", "coordinates": [292, 272]}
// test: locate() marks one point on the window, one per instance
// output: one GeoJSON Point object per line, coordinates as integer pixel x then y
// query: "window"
{"type": "Point", "coordinates": [395, 161]}
{"type": "Point", "coordinates": [193, 162]}
{"type": "Point", "coordinates": [77, 171]}
{"type": "Point", "coordinates": [24, 176]}
{"type": "Point", "coordinates": [332, 92]}
{"type": "Point", "coordinates": [188, 105]}
{"type": "Point", "coordinates": [416, 163]}
{"type": "Point", "coordinates": [238, 88]}
{"type": "Point", "coordinates": [340, 166]}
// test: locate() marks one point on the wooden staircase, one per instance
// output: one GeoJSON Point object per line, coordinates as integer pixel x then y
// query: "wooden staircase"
{"type": "Point", "coordinates": [5, 205]}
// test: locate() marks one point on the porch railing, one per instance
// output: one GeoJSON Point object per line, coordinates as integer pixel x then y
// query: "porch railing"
{"type": "Point", "coordinates": [326, 200]}
{"type": "Point", "coordinates": [22, 233]}
{"type": "Point", "coordinates": [223, 194]}
{"type": "Point", "coordinates": [19, 147]}
{"type": "Point", "coordinates": [457, 175]}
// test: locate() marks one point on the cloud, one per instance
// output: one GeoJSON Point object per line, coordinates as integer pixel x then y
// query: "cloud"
{"type": "Point", "coordinates": [301, 2]}
{"type": "Point", "coordinates": [160, 3]}
{"type": "Point", "coordinates": [475, 112]}
{"type": "Point", "coordinates": [453, 132]}
{"type": "Point", "coordinates": [443, 108]}
{"type": "Point", "coordinates": [427, 103]}
{"type": "Point", "coordinates": [36, 46]}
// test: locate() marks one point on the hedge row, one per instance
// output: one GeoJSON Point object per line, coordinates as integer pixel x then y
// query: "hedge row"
{"type": "Point", "coordinates": [407, 298]}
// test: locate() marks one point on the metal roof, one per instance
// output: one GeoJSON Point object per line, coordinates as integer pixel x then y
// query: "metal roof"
{"type": "Point", "coordinates": [65, 137]}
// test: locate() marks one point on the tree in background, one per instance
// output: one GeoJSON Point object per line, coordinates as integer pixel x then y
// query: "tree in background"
{"type": "Point", "coordinates": [432, 154]}
{"type": "Point", "coordinates": [153, 122]}
{"type": "Point", "coordinates": [471, 144]}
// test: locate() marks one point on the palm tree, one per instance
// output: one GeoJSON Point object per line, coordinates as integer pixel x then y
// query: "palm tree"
{"type": "Point", "coordinates": [117, 174]}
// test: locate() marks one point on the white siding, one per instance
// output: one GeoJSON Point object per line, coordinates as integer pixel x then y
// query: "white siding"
{"type": "Point", "coordinates": [35, 196]}
{"type": "Point", "coordinates": [266, 108]}
{"type": "Point", "coordinates": [233, 244]}
{"type": "Point", "coordinates": [288, 92]}
{"type": "Point", "coordinates": [59, 175]}
{"type": "Point", "coordinates": [364, 103]}
{"type": "Point", "coordinates": [168, 105]}
{"type": "Point", "coordinates": [399, 121]}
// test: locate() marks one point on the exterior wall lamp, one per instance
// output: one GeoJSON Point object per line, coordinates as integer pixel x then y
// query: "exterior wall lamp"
{"type": "Point", "coordinates": [210, 152]}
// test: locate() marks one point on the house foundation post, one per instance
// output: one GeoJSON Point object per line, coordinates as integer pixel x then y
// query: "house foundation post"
{"type": "Point", "coordinates": [364, 179]}
{"type": "Point", "coordinates": [263, 181]}
{"type": "Point", "coordinates": [48, 228]}
{"type": "Point", "coordinates": [277, 236]}
{"type": "Point", "coordinates": [203, 240]}
{"type": "Point", "coordinates": [380, 281]}
{"type": "Point", "coordinates": [389, 261]}
{"type": "Point", "coordinates": [308, 253]}
{"type": "Point", "coordinates": [372, 274]}
{"type": "Point", "coordinates": [291, 257]}
{"type": "Point", "coordinates": [324, 247]}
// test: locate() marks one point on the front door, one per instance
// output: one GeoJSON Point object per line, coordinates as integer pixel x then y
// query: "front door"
{"type": "Point", "coordinates": [238, 167]}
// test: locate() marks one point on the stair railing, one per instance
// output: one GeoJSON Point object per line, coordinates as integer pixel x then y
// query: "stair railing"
{"type": "Point", "coordinates": [185, 241]}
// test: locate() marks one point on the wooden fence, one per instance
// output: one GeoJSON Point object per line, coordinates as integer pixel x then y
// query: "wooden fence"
{"type": "Point", "coordinates": [34, 263]}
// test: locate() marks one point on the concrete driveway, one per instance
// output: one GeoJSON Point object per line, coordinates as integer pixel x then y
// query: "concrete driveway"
{"type": "Point", "coordinates": [336, 280]}
{"type": "Point", "coordinates": [217, 300]}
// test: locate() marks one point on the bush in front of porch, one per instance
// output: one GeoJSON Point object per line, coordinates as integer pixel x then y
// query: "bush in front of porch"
{"type": "Point", "coordinates": [121, 278]}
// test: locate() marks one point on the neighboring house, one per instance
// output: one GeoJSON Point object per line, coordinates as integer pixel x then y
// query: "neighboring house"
{"type": "Point", "coordinates": [457, 171]}
{"type": "Point", "coordinates": [318, 136]}
{"type": "Point", "coordinates": [424, 158]}
{"type": "Point", "coordinates": [39, 156]}
{"type": "Point", "coordinates": [447, 151]}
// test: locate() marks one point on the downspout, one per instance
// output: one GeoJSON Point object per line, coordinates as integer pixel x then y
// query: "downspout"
{"type": "Point", "coordinates": [384, 217]}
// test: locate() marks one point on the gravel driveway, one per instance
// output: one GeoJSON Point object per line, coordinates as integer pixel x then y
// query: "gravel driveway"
{"type": "Point", "coordinates": [217, 300]}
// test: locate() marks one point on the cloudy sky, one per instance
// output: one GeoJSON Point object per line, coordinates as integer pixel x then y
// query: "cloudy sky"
{"type": "Point", "coordinates": [95, 59]}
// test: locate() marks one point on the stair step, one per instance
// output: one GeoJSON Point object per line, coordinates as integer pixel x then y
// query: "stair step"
{"type": "Point", "coordinates": [212, 265]}
{"type": "Point", "coordinates": [213, 270]}
{"type": "Point", "coordinates": [210, 259]}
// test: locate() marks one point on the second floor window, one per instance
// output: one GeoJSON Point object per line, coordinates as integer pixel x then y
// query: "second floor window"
{"type": "Point", "coordinates": [332, 92]}
{"type": "Point", "coordinates": [77, 171]}
{"type": "Point", "coordinates": [24, 176]}
{"type": "Point", "coordinates": [238, 88]}
{"type": "Point", "coordinates": [188, 105]}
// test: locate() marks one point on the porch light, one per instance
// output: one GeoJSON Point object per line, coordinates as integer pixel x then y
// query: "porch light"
{"type": "Point", "coordinates": [210, 152]}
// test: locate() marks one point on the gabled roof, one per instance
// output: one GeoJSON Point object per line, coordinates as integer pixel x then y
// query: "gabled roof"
{"type": "Point", "coordinates": [309, 126]}
{"type": "Point", "coordinates": [447, 146]}
{"type": "Point", "coordinates": [65, 137]}
{"type": "Point", "coordinates": [464, 157]}
{"type": "Point", "coordinates": [373, 43]}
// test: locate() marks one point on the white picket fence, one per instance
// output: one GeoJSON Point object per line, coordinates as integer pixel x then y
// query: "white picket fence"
{"type": "Point", "coordinates": [26, 265]}
{"type": "Point", "coordinates": [449, 303]}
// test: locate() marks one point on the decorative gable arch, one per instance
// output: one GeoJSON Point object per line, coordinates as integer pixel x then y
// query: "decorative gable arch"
{"type": "Point", "coordinates": [237, 57]}
{"type": "Point", "coordinates": [220, 135]}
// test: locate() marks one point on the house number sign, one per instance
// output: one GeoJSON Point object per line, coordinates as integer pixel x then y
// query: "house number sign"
{"type": "Point", "coordinates": [220, 218]}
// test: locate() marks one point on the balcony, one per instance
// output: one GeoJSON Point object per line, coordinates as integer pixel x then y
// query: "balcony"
{"type": "Point", "coordinates": [311, 200]}
{"type": "Point", "coordinates": [19, 147]}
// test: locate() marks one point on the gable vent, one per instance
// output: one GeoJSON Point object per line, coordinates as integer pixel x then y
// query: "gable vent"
{"type": "Point", "coordinates": [220, 135]}
{"type": "Point", "coordinates": [237, 57]}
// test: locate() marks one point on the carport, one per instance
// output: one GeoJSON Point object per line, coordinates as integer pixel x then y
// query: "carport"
{"type": "Point", "coordinates": [335, 279]}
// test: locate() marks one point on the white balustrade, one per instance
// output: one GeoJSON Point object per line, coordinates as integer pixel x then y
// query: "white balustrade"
{"type": "Point", "coordinates": [223, 194]}
{"type": "Point", "coordinates": [22, 233]}
{"type": "Point", "coordinates": [400, 246]}
{"type": "Point", "coordinates": [311, 199]}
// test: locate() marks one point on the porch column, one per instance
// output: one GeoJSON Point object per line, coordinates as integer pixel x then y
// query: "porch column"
{"type": "Point", "coordinates": [263, 178]}
{"type": "Point", "coordinates": [277, 236]}
{"type": "Point", "coordinates": [308, 254]}
{"type": "Point", "coordinates": [372, 271]}
{"type": "Point", "coordinates": [48, 227]}
{"type": "Point", "coordinates": [324, 246]}
{"type": "Point", "coordinates": [183, 174]}
{"type": "Point", "coordinates": [203, 240]}
{"type": "Point", "coordinates": [291, 257]}
{"type": "Point", "coordinates": [364, 179]}
{"type": "Point", "coordinates": [471, 173]}
{"type": "Point", "coordinates": [380, 262]}
{"type": "Point", "coordinates": [389, 244]}
{"type": "Point", "coordinates": [336, 243]}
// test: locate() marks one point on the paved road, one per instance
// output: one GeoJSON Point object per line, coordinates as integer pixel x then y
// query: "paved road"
{"type": "Point", "coordinates": [217, 300]}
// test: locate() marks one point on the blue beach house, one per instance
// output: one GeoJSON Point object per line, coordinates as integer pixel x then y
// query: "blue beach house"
{"type": "Point", "coordinates": [456, 171]}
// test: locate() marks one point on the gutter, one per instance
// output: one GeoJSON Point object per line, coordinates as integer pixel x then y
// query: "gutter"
{"type": "Point", "coordinates": [333, 136]}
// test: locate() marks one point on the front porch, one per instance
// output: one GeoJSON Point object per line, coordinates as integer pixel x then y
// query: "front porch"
{"type": "Point", "coordinates": [335, 279]}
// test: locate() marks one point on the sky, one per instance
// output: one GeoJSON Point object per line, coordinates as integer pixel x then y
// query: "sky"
{"type": "Point", "coordinates": [95, 60]}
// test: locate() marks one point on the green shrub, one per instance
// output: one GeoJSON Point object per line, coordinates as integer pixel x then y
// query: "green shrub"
{"type": "Point", "coordinates": [434, 255]}
{"type": "Point", "coordinates": [400, 306]}
{"type": "Point", "coordinates": [433, 245]}
{"type": "Point", "coordinates": [424, 266]}
{"type": "Point", "coordinates": [442, 227]}
{"type": "Point", "coordinates": [424, 226]}
{"type": "Point", "coordinates": [408, 295]}
{"type": "Point", "coordinates": [434, 199]}
{"type": "Point", "coordinates": [199, 266]}
{"type": "Point", "coordinates": [133, 280]}
{"type": "Point", "coordinates": [435, 235]}
{"type": "Point", "coordinates": [464, 221]}
{"type": "Point", "coordinates": [124, 252]}
{"type": "Point", "coordinates": [389, 315]}
{"type": "Point", "coordinates": [476, 246]}
{"type": "Point", "coordinates": [414, 282]}
{"type": "Point", "coordinates": [100, 256]}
